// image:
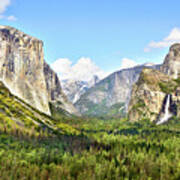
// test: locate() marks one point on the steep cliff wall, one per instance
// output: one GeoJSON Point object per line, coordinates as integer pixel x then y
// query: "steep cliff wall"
{"type": "Point", "coordinates": [21, 67]}
{"type": "Point", "coordinates": [55, 94]}
{"type": "Point", "coordinates": [26, 74]}
{"type": "Point", "coordinates": [147, 96]}
{"type": "Point", "coordinates": [150, 93]}
{"type": "Point", "coordinates": [171, 65]}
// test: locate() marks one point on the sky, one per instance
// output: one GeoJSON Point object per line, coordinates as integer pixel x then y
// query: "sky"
{"type": "Point", "coordinates": [86, 37]}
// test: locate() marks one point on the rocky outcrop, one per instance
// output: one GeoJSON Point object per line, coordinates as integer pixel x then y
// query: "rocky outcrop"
{"type": "Point", "coordinates": [148, 95]}
{"type": "Point", "coordinates": [21, 67]}
{"type": "Point", "coordinates": [24, 72]}
{"type": "Point", "coordinates": [55, 94]}
{"type": "Point", "coordinates": [171, 65]}
{"type": "Point", "coordinates": [111, 94]}
{"type": "Point", "coordinates": [154, 88]}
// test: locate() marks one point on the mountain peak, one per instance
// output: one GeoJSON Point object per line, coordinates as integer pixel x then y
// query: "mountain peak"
{"type": "Point", "coordinates": [175, 46]}
{"type": "Point", "coordinates": [171, 65]}
{"type": "Point", "coordinates": [17, 36]}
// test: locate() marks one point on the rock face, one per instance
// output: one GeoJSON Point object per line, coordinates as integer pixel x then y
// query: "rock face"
{"type": "Point", "coordinates": [171, 65]}
{"type": "Point", "coordinates": [111, 95]}
{"type": "Point", "coordinates": [21, 67]}
{"type": "Point", "coordinates": [150, 94]}
{"type": "Point", "coordinates": [147, 96]}
{"type": "Point", "coordinates": [55, 94]}
{"type": "Point", "coordinates": [23, 70]}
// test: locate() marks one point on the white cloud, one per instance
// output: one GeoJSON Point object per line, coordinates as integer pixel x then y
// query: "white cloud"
{"type": "Point", "coordinates": [3, 7]}
{"type": "Point", "coordinates": [128, 63]}
{"type": "Point", "coordinates": [83, 70]}
{"type": "Point", "coordinates": [11, 18]}
{"type": "Point", "coordinates": [173, 37]}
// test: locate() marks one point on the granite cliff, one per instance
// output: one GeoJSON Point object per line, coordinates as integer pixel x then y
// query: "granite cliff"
{"type": "Point", "coordinates": [26, 74]}
{"type": "Point", "coordinates": [56, 96]}
{"type": "Point", "coordinates": [150, 94]}
{"type": "Point", "coordinates": [171, 65]}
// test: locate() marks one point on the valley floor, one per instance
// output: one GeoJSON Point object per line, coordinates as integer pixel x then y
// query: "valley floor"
{"type": "Point", "coordinates": [105, 149]}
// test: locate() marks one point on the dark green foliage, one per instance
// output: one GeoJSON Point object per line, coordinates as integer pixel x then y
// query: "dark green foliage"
{"type": "Point", "coordinates": [167, 87]}
{"type": "Point", "coordinates": [16, 114]}
{"type": "Point", "coordinates": [58, 113]}
{"type": "Point", "coordinates": [177, 81]}
{"type": "Point", "coordinates": [118, 149]}
{"type": "Point", "coordinates": [102, 110]}
{"type": "Point", "coordinates": [139, 104]}
{"type": "Point", "coordinates": [67, 147]}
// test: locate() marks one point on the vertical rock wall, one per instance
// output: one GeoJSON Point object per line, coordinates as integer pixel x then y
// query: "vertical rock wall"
{"type": "Point", "coordinates": [21, 67]}
{"type": "Point", "coordinates": [26, 74]}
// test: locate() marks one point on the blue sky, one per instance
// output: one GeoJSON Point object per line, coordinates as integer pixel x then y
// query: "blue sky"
{"type": "Point", "coordinates": [106, 31]}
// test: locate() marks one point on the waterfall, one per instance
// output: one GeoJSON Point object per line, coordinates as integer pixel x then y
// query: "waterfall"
{"type": "Point", "coordinates": [167, 114]}
{"type": "Point", "coordinates": [175, 74]}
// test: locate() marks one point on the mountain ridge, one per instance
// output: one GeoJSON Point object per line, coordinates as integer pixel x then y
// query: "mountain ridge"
{"type": "Point", "coordinates": [113, 90]}
{"type": "Point", "coordinates": [75, 88]}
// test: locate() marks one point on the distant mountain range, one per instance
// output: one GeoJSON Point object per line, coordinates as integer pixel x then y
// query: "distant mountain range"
{"type": "Point", "coordinates": [74, 89]}
{"type": "Point", "coordinates": [26, 74]}
{"type": "Point", "coordinates": [107, 97]}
